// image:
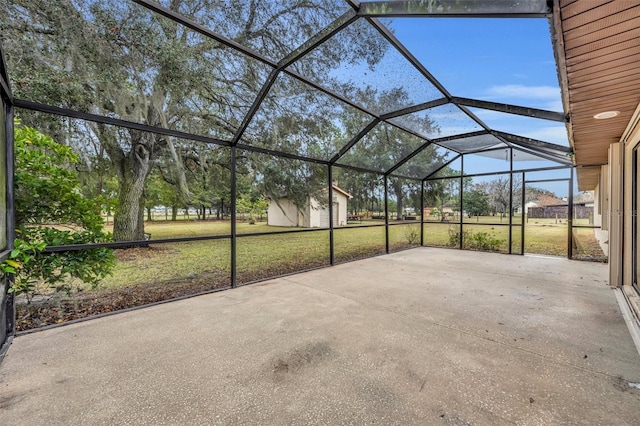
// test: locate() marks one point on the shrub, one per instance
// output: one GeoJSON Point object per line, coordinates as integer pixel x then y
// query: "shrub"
{"type": "Point", "coordinates": [50, 211]}
{"type": "Point", "coordinates": [412, 234]}
{"type": "Point", "coordinates": [485, 241]}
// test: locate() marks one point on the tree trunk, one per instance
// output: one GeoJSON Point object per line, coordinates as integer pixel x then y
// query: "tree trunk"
{"type": "Point", "coordinates": [128, 219]}
{"type": "Point", "coordinates": [174, 212]}
{"type": "Point", "coordinates": [397, 189]}
{"type": "Point", "coordinates": [149, 217]}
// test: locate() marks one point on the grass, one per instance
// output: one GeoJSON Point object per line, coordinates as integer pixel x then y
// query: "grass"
{"type": "Point", "coordinates": [263, 256]}
{"type": "Point", "coordinates": [163, 271]}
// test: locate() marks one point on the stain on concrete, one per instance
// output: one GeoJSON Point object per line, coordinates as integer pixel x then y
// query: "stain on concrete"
{"type": "Point", "coordinates": [300, 358]}
{"type": "Point", "coordinates": [11, 399]}
{"type": "Point", "coordinates": [626, 386]}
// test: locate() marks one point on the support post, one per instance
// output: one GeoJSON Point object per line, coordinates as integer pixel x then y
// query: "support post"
{"type": "Point", "coordinates": [331, 250]}
{"type": "Point", "coordinates": [10, 172]}
{"type": "Point", "coordinates": [460, 243]}
{"type": "Point", "coordinates": [570, 218]}
{"type": "Point", "coordinates": [510, 200]}
{"type": "Point", "coordinates": [524, 213]}
{"type": "Point", "coordinates": [386, 213]}
{"type": "Point", "coordinates": [233, 218]}
{"type": "Point", "coordinates": [422, 213]}
{"type": "Point", "coordinates": [8, 311]}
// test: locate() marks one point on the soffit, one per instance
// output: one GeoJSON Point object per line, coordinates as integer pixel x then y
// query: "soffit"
{"type": "Point", "coordinates": [599, 62]}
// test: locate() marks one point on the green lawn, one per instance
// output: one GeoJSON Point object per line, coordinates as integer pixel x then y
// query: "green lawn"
{"type": "Point", "coordinates": [259, 257]}
{"type": "Point", "coordinates": [163, 271]}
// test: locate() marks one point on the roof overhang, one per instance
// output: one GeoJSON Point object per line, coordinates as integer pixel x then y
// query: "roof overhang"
{"type": "Point", "coordinates": [456, 8]}
{"type": "Point", "coordinates": [598, 58]}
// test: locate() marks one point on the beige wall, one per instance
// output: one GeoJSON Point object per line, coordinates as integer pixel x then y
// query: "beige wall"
{"type": "Point", "coordinates": [614, 204]}
{"type": "Point", "coordinates": [312, 214]}
{"type": "Point", "coordinates": [341, 199]}
{"type": "Point", "coordinates": [597, 207]}
{"type": "Point", "coordinates": [285, 214]}
{"type": "Point", "coordinates": [316, 212]}
{"type": "Point", "coordinates": [614, 214]}
{"type": "Point", "coordinates": [601, 234]}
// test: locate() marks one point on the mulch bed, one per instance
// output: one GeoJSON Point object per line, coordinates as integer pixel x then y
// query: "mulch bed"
{"type": "Point", "coordinates": [58, 309]}
{"type": "Point", "coordinates": [588, 248]}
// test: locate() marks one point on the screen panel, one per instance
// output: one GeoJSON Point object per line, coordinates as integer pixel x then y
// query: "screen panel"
{"type": "Point", "coordinates": [442, 200]}
{"type": "Point", "coordinates": [365, 206]}
{"type": "Point", "coordinates": [265, 256]}
{"type": "Point", "coordinates": [428, 160]}
{"type": "Point", "coordinates": [119, 59]}
{"type": "Point", "coordinates": [441, 121]}
{"type": "Point", "coordinates": [271, 28]}
{"type": "Point", "coordinates": [299, 119]}
{"type": "Point", "coordinates": [381, 148]}
{"type": "Point", "coordinates": [146, 186]}
{"type": "Point", "coordinates": [354, 243]}
{"type": "Point", "coordinates": [276, 194]}
{"type": "Point", "coordinates": [142, 275]}
{"type": "Point", "coordinates": [363, 73]}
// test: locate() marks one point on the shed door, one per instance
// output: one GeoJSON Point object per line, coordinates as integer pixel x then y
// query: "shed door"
{"type": "Point", "coordinates": [324, 218]}
{"type": "Point", "coordinates": [336, 219]}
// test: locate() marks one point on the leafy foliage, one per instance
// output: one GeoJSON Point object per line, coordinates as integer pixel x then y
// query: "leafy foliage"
{"type": "Point", "coordinates": [121, 60]}
{"type": "Point", "coordinates": [480, 240]}
{"type": "Point", "coordinates": [476, 202]}
{"type": "Point", "coordinates": [253, 205]}
{"type": "Point", "coordinates": [412, 234]}
{"type": "Point", "coordinates": [292, 179]}
{"type": "Point", "coordinates": [50, 211]}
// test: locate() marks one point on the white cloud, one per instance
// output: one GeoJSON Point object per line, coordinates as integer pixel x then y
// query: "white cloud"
{"type": "Point", "coordinates": [488, 114]}
{"type": "Point", "coordinates": [555, 105]}
{"type": "Point", "coordinates": [520, 91]}
{"type": "Point", "coordinates": [555, 134]}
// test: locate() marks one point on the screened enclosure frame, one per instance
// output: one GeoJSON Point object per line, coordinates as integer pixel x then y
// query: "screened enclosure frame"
{"type": "Point", "coordinates": [7, 308]}
{"type": "Point", "coordinates": [369, 14]}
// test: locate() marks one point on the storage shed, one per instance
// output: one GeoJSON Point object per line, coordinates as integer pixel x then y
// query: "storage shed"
{"type": "Point", "coordinates": [283, 212]}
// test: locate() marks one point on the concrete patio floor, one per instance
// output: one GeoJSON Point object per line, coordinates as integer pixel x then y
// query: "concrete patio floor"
{"type": "Point", "coordinates": [425, 336]}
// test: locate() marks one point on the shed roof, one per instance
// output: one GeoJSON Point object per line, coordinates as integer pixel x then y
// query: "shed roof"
{"type": "Point", "coordinates": [342, 191]}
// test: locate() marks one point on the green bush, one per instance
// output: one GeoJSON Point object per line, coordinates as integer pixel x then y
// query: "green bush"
{"type": "Point", "coordinates": [50, 211]}
{"type": "Point", "coordinates": [412, 234]}
{"type": "Point", "coordinates": [485, 241]}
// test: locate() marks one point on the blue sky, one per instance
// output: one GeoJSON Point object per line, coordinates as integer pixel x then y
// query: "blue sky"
{"type": "Point", "coordinates": [501, 60]}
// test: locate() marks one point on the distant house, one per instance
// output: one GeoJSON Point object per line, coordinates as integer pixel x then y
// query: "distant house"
{"type": "Point", "coordinates": [582, 210]}
{"type": "Point", "coordinates": [527, 206]}
{"type": "Point", "coordinates": [283, 212]}
{"type": "Point", "coordinates": [444, 213]}
{"type": "Point", "coordinates": [583, 205]}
